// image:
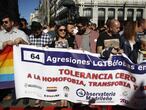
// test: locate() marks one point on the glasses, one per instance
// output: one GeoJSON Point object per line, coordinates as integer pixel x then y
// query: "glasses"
{"type": "Point", "coordinates": [5, 22]}
{"type": "Point", "coordinates": [62, 30]}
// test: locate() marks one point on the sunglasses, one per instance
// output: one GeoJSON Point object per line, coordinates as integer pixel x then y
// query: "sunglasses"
{"type": "Point", "coordinates": [5, 22]}
{"type": "Point", "coordinates": [62, 30]}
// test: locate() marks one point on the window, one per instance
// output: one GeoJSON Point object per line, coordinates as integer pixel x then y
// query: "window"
{"type": "Point", "coordinates": [87, 12]}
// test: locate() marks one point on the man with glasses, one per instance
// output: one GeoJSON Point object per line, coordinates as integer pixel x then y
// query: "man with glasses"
{"type": "Point", "coordinates": [10, 35]}
{"type": "Point", "coordinates": [85, 38]}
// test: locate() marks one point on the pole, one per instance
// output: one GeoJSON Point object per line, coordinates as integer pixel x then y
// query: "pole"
{"type": "Point", "coordinates": [124, 12]}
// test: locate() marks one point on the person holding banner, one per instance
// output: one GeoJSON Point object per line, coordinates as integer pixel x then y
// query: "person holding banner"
{"type": "Point", "coordinates": [61, 37]}
{"type": "Point", "coordinates": [38, 37]}
{"type": "Point", "coordinates": [61, 42]}
{"type": "Point", "coordinates": [10, 35]}
{"type": "Point", "coordinates": [108, 41]}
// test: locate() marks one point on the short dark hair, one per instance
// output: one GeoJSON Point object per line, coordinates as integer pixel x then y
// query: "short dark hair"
{"type": "Point", "coordinates": [70, 22]}
{"type": "Point", "coordinates": [24, 20]}
{"type": "Point", "coordinates": [108, 22]}
{"type": "Point", "coordinates": [35, 26]}
{"type": "Point", "coordinates": [7, 16]}
{"type": "Point", "coordinates": [52, 24]}
{"type": "Point", "coordinates": [83, 20]}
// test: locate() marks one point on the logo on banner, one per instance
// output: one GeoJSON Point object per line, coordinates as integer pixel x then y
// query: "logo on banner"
{"type": "Point", "coordinates": [32, 86]}
{"type": "Point", "coordinates": [98, 96]}
{"type": "Point", "coordinates": [56, 95]}
{"type": "Point", "coordinates": [66, 91]}
{"type": "Point", "coordinates": [81, 92]}
{"type": "Point", "coordinates": [51, 89]}
{"type": "Point", "coordinates": [125, 93]}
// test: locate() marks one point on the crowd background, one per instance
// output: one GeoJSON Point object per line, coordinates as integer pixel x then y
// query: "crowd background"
{"type": "Point", "coordinates": [82, 34]}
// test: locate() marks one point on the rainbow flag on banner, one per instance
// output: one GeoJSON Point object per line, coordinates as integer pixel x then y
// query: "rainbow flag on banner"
{"type": "Point", "coordinates": [6, 68]}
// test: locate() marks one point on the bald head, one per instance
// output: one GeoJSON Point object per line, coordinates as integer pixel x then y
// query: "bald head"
{"type": "Point", "coordinates": [115, 26]}
{"type": "Point", "coordinates": [114, 22]}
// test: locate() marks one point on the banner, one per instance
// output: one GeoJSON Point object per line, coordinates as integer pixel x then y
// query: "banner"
{"type": "Point", "coordinates": [78, 76]}
{"type": "Point", "coordinates": [6, 68]}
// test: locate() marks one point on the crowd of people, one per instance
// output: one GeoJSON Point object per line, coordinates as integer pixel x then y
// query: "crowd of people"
{"type": "Point", "coordinates": [116, 38]}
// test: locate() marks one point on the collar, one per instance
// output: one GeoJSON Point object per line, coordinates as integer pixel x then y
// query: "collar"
{"type": "Point", "coordinates": [87, 31]}
{"type": "Point", "coordinates": [13, 30]}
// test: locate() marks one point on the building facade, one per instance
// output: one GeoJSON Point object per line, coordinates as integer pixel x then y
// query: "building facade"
{"type": "Point", "coordinates": [62, 10]}
{"type": "Point", "coordinates": [98, 11]}
{"type": "Point", "coordinates": [54, 10]}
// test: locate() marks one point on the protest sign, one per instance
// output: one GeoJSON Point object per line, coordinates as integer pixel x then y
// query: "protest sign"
{"type": "Point", "coordinates": [78, 76]}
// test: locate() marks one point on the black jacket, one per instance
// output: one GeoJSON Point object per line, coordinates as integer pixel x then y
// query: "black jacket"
{"type": "Point", "coordinates": [125, 45]}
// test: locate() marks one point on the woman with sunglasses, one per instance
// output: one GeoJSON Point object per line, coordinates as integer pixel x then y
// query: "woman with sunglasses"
{"type": "Point", "coordinates": [60, 42]}
{"type": "Point", "coordinates": [61, 37]}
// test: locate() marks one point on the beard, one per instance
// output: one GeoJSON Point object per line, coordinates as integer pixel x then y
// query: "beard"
{"type": "Point", "coordinates": [116, 35]}
{"type": "Point", "coordinates": [82, 31]}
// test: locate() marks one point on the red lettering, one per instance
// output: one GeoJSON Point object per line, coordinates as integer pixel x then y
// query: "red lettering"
{"type": "Point", "coordinates": [29, 75]}
{"type": "Point", "coordinates": [125, 76]}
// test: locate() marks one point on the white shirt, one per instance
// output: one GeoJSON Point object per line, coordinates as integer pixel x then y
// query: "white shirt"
{"type": "Point", "coordinates": [12, 35]}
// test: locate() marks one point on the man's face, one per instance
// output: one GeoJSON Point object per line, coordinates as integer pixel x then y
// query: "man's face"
{"type": "Point", "coordinates": [81, 29]}
{"type": "Point", "coordinates": [37, 33]}
{"type": "Point", "coordinates": [70, 29]}
{"type": "Point", "coordinates": [115, 28]}
{"type": "Point", "coordinates": [24, 25]}
{"type": "Point", "coordinates": [7, 24]}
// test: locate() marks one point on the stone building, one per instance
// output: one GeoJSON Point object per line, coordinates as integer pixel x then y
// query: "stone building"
{"type": "Point", "coordinates": [98, 11]}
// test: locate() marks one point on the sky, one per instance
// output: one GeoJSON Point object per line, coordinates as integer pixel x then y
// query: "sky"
{"type": "Point", "coordinates": [26, 7]}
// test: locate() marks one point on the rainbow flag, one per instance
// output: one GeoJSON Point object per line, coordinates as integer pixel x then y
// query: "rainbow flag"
{"type": "Point", "coordinates": [6, 68]}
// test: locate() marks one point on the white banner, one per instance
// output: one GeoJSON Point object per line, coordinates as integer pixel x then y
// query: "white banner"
{"type": "Point", "coordinates": [78, 76]}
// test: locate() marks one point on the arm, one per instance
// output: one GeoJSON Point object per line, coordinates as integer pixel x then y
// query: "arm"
{"type": "Point", "coordinates": [21, 39]}
{"type": "Point", "coordinates": [99, 49]}
{"type": "Point", "coordinates": [100, 43]}
{"type": "Point", "coordinates": [4, 44]}
{"type": "Point", "coordinates": [18, 41]}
